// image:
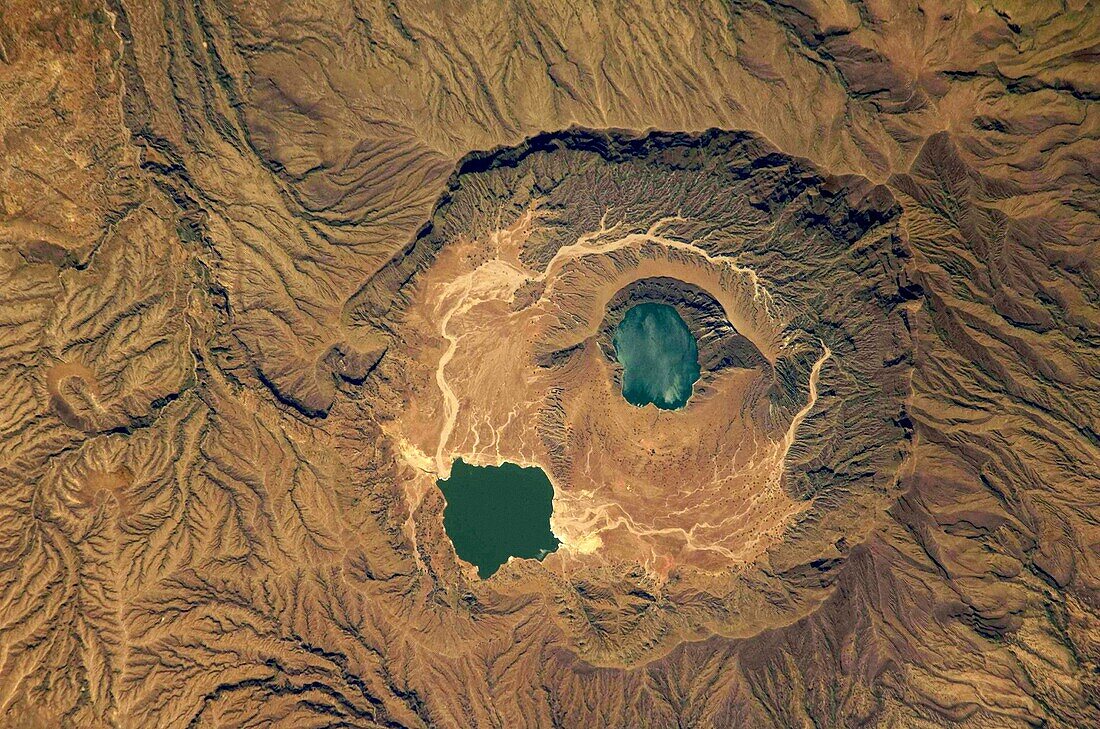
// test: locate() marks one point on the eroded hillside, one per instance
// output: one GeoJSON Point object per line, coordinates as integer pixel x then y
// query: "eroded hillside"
{"type": "Point", "coordinates": [268, 269]}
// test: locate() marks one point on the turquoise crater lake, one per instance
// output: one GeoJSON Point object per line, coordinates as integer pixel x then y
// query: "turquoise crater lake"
{"type": "Point", "coordinates": [659, 355]}
{"type": "Point", "coordinates": [497, 512]}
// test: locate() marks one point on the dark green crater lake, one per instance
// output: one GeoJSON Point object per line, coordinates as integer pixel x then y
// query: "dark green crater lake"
{"type": "Point", "coordinates": [497, 512]}
{"type": "Point", "coordinates": [659, 356]}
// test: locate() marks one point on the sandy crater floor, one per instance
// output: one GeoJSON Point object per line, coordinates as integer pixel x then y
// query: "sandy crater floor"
{"type": "Point", "coordinates": [698, 487]}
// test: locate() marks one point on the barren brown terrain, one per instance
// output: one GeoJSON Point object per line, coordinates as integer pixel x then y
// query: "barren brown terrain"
{"type": "Point", "coordinates": [268, 269]}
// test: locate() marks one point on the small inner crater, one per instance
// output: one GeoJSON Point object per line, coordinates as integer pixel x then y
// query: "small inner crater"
{"type": "Point", "coordinates": [715, 344]}
{"type": "Point", "coordinates": [659, 357]}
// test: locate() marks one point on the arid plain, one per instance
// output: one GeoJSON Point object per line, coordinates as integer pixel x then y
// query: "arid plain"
{"type": "Point", "coordinates": [267, 270]}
